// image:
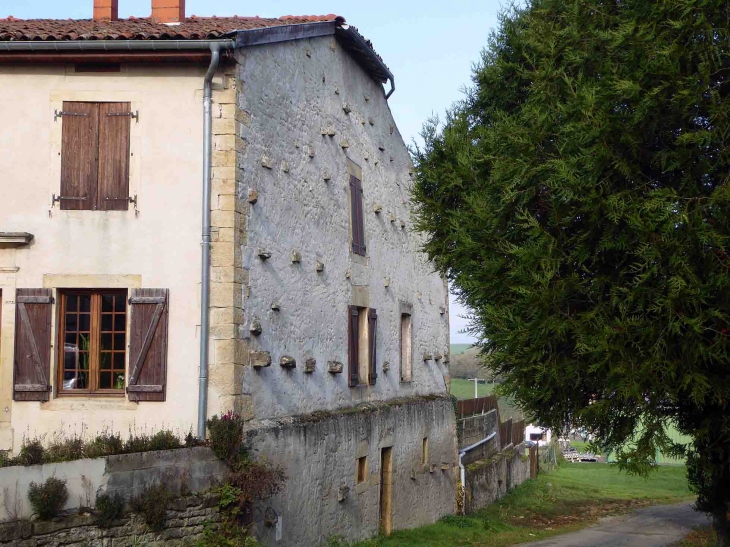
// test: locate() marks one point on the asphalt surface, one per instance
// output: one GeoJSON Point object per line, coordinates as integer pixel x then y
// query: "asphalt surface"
{"type": "Point", "coordinates": [648, 527]}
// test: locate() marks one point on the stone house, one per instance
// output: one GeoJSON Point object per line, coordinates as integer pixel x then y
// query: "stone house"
{"type": "Point", "coordinates": [309, 311]}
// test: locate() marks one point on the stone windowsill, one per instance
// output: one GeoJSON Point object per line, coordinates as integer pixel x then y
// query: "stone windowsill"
{"type": "Point", "coordinates": [15, 239]}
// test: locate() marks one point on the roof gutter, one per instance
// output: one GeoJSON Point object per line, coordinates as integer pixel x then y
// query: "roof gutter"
{"type": "Point", "coordinates": [113, 45]}
{"type": "Point", "coordinates": [365, 49]}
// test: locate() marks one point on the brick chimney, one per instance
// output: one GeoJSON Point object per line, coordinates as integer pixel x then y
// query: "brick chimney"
{"type": "Point", "coordinates": [106, 10]}
{"type": "Point", "coordinates": [168, 11]}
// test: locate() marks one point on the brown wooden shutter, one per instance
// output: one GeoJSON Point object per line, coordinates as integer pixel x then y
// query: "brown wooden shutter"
{"type": "Point", "coordinates": [358, 229]}
{"type": "Point", "coordinates": [372, 331]}
{"type": "Point", "coordinates": [114, 127]}
{"type": "Point", "coordinates": [32, 370]}
{"type": "Point", "coordinates": [148, 344]}
{"type": "Point", "coordinates": [79, 159]}
{"type": "Point", "coordinates": [352, 346]}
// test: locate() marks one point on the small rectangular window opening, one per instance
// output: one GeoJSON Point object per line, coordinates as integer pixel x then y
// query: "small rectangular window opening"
{"type": "Point", "coordinates": [363, 358]}
{"type": "Point", "coordinates": [424, 451]}
{"type": "Point", "coordinates": [406, 347]}
{"type": "Point", "coordinates": [362, 469]}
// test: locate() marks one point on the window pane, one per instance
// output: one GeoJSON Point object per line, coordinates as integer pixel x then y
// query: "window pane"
{"type": "Point", "coordinates": [84, 342]}
{"type": "Point", "coordinates": [84, 361]}
{"type": "Point", "coordinates": [85, 302]}
{"type": "Point", "coordinates": [69, 380]}
{"type": "Point", "coordinates": [106, 322]}
{"type": "Point", "coordinates": [70, 341]}
{"type": "Point", "coordinates": [71, 322]}
{"type": "Point", "coordinates": [105, 380]}
{"type": "Point", "coordinates": [83, 381]}
{"type": "Point", "coordinates": [120, 303]}
{"type": "Point", "coordinates": [72, 302]}
{"type": "Point", "coordinates": [105, 361]}
{"type": "Point", "coordinates": [120, 323]}
{"type": "Point", "coordinates": [85, 322]}
{"type": "Point", "coordinates": [119, 341]}
{"type": "Point", "coordinates": [107, 302]}
{"type": "Point", "coordinates": [119, 361]}
{"type": "Point", "coordinates": [106, 342]}
{"type": "Point", "coordinates": [118, 380]}
{"type": "Point", "coordinates": [69, 360]}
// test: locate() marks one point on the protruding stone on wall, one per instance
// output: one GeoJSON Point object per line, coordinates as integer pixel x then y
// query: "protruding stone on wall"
{"type": "Point", "coordinates": [438, 357]}
{"type": "Point", "coordinates": [386, 366]}
{"type": "Point", "coordinates": [346, 107]}
{"type": "Point", "coordinates": [310, 365]}
{"type": "Point", "coordinates": [310, 151]}
{"type": "Point", "coordinates": [253, 196]}
{"type": "Point", "coordinates": [392, 218]}
{"type": "Point", "coordinates": [427, 356]}
{"type": "Point", "coordinates": [284, 166]}
{"type": "Point", "coordinates": [446, 359]}
{"type": "Point", "coordinates": [344, 144]}
{"type": "Point", "coordinates": [335, 367]}
{"type": "Point", "coordinates": [275, 306]}
{"type": "Point", "coordinates": [381, 148]}
{"type": "Point", "coordinates": [442, 310]}
{"type": "Point", "coordinates": [266, 161]}
{"type": "Point", "coordinates": [366, 97]}
{"type": "Point", "coordinates": [287, 361]}
{"type": "Point", "coordinates": [402, 224]}
{"type": "Point", "coordinates": [337, 90]}
{"type": "Point", "coordinates": [255, 327]}
{"type": "Point", "coordinates": [342, 492]}
{"type": "Point", "coordinates": [371, 120]}
{"type": "Point", "coordinates": [326, 176]}
{"type": "Point", "coordinates": [296, 257]}
{"type": "Point", "coordinates": [260, 359]}
{"type": "Point", "coordinates": [319, 266]}
{"type": "Point", "coordinates": [329, 131]}
{"type": "Point", "coordinates": [377, 209]}
{"type": "Point", "coordinates": [263, 254]}
{"type": "Point", "coordinates": [386, 282]}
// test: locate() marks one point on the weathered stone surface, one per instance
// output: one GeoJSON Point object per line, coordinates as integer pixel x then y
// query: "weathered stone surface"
{"type": "Point", "coordinates": [287, 361]}
{"type": "Point", "coordinates": [427, 356]}
{"type": "Point", "coordinates": [296, 257]}
{"type": "Point", "coordinates": [266, 162]}
{"type": "Point", "coordinates": [346, 107]}
{"type": "Point", "coordinates": [386, 366]}
{"type": "Point", "coordinates": [335, 367]}
{"type": "Point", "coordinates": [260, 359]}
{"type": "Point", "coordinates": [253, 196]}
{"type": "Point", "coordinates": [263, 254]}
{"type": "Point", "coordinates": [310, 365]}
{"type": "Point", "coordinates": [319, 266]}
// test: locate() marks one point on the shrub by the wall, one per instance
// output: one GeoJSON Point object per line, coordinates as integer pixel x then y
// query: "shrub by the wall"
{"type": "Point", "coordinates": [151, 504]}
{"type": "Point", "coordinates": [226, 434]}
{"type": "Point", "coordinates": [109, 508]}
{"type": "Point", "coordinates": [48, 499]}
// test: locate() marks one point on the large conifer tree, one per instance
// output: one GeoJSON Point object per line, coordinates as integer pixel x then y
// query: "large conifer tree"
{"type": "Point", "coordinates": [579, 201]}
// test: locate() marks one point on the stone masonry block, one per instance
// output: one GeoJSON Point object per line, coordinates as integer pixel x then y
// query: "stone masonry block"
{"type": "Point", "coordinates": [227, 110]}
{"type": "Point", "coordinates": [225, 172]}
{"type": "Point", "coordinates": [223, 158]}
{"type": "Point", "coordinates": [222, 316]}
{"type": "Point", "coordinates": [243, 117]}
{"type": "Point", "coordinates": [224, 295]}
{"type": "Point", "coordinates": [223, 186]}
{"type": "Point", "coordinates": [226, 234]}
{"type": "Point", "coordinates": [227, 202]}
{"type": "Point", "coordinates": [224, 332]}
{"type": "Point", "coordinates": [225, 254]}
{"type": "Point", "coordinates": [223, 219]}
{"type": "Point", "coordinates": [225, 96]}
{"type": "Point", "coordinates": [226, 378]}
{"type": "Point", "coordinates": [224, 142]}
{"type": "Point", "coordinates": [228, 274]}
{"type": "Point", "coordinates": [231, 351]}
{"type": "Point", "coordinates": [223, 126]}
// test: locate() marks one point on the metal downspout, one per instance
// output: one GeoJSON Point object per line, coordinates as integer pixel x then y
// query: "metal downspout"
{"type": "Point", "coordinates": [462, 470]}
{"type": "Point", "coordinates": [205, 242]}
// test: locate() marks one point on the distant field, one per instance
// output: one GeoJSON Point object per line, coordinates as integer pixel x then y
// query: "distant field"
{"type": "Point", "coordinates": [464, 389]}
{"type": "Point", "coordinates": [458, 349]}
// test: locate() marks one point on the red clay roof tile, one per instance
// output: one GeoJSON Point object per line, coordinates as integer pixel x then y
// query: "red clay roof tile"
{"type": "Point", "coordinates": [193, 28]}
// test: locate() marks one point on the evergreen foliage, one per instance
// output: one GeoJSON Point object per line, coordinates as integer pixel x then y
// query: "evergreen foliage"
{"type": "Point", "coordinates": [578, 200]}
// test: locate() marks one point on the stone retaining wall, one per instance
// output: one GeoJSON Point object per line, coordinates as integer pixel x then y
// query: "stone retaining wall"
{"type": "Point", "coordinates": [490, 479]}
{"type": "Point", "coordinates": [184, 525]}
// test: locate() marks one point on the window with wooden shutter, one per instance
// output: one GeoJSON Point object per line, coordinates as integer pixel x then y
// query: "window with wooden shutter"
{"type": "Point", "coordinates": [353, 351]}
{"type": "Point", "coordinates": [92, 347]}
{"type": "Point", "coordinates": [372, 330]}
{"type": "Point", "coordinates": [32, 367]}
{"type": "Point", "coordinates": [148, 344]}
{"type": "Point", "coordinates": [356, 214]}
{"type": "Point", "coordinates": [95, 156]}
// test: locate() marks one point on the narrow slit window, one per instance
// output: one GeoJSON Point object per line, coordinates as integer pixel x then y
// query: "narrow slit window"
{"type": "Point", "coordinates": [424, 451]}
{"type": "Point", "coordinates": [406, 347]}
{"type": "Point", "coordinates": [362, 469]}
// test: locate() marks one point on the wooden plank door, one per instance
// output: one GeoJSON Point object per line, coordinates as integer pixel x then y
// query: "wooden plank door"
{"type": "Point", "coordinates": [386, 484]}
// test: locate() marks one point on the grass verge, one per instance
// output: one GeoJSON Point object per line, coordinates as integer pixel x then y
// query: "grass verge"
{"type": "Point", "coordinates": [699, 537]}
{"type": "Point", "coordinates": [570, 498]}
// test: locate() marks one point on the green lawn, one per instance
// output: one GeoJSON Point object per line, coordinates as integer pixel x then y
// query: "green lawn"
{"type": "Point", "coordinates": [464, 389]}
{"type": "Point", "coordinates": [564, 500]}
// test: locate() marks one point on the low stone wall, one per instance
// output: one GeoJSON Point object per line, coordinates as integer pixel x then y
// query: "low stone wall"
{"type": "Point", "coordinates": [185, 522]}
{"type": "Point", "coordinates": [489, 479]}
{"type": "Point", "coordinates": [182, 470]}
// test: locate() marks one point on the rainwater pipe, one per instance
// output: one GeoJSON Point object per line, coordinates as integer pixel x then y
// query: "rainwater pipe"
{"type": "Point", "coordinates": [215, 51]}
{"type": "Point", "coordinates": [462, 470]}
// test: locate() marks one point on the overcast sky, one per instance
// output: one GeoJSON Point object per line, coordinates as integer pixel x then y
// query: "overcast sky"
{"type": "Point", "coordinates": [429, 45]}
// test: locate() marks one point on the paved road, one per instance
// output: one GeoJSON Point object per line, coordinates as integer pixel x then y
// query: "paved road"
{"type": "Point", "coordinates": [649, 527]}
